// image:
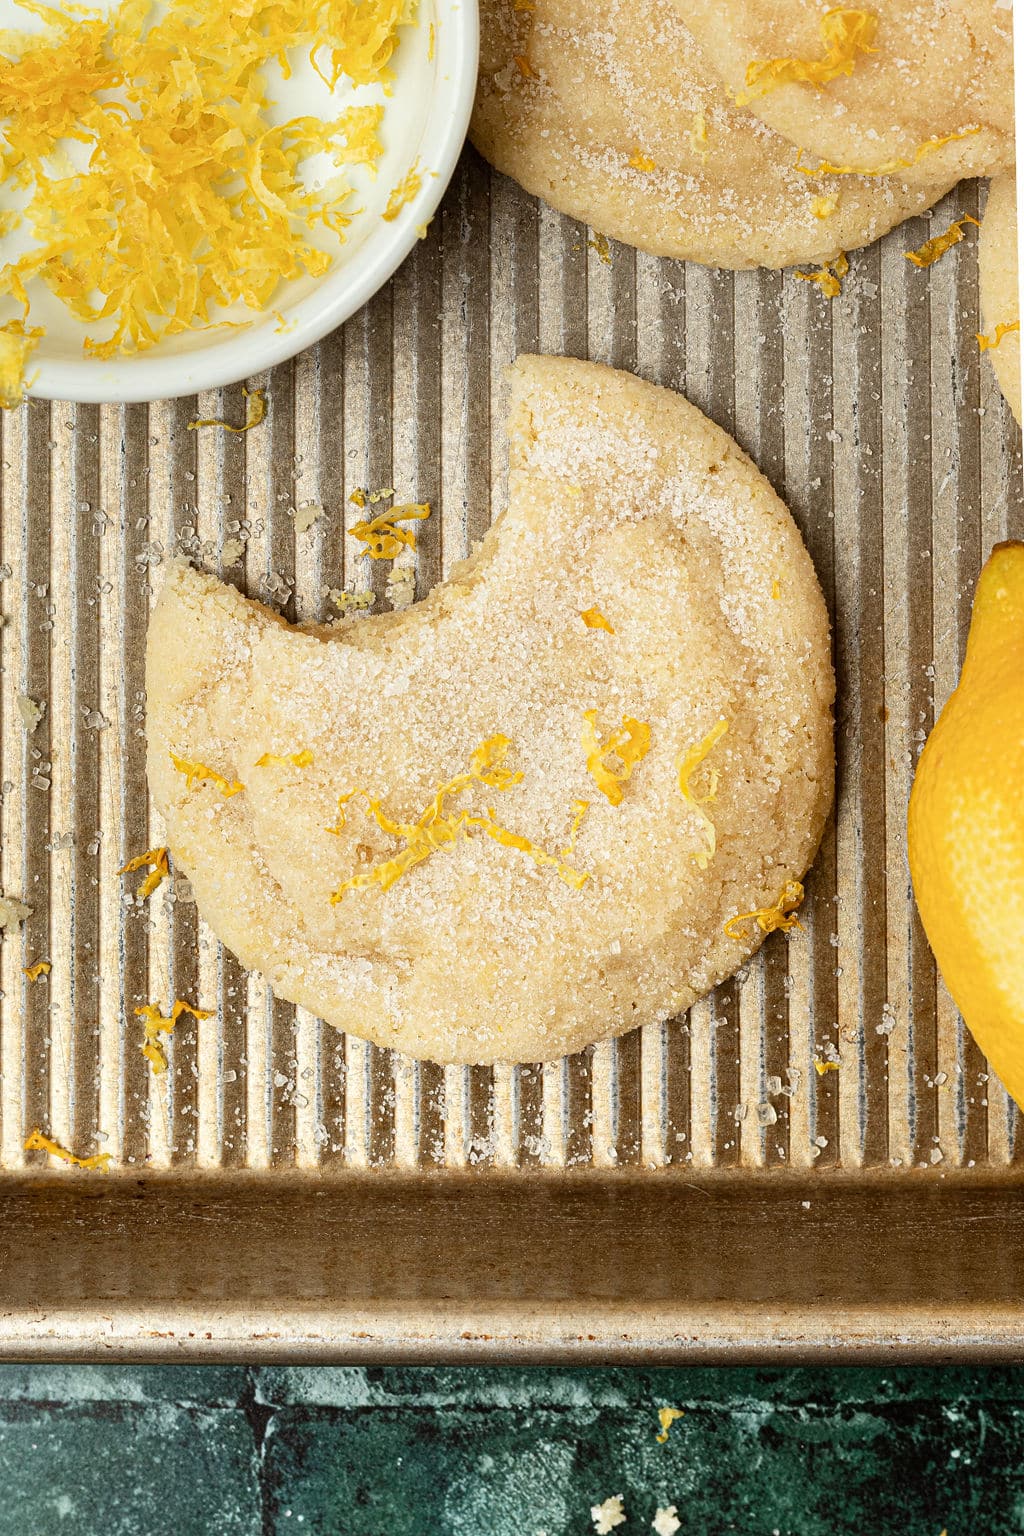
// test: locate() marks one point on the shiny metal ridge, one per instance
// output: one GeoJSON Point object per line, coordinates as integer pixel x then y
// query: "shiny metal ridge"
{"type": "Point", "coordinates": [701, 1188]}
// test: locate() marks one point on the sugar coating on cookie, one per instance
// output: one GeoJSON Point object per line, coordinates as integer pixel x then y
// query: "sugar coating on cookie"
{"type": "Point", "coordinates": [936, 70]}
{"type": "Point", "coordinates": [603, 904]}
{"type": "Point", "coordinates": [1000, 296]}
{"type": "Point", "coordinates": [607, 110]}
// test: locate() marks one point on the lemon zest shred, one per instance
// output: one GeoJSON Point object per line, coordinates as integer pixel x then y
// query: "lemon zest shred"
{"type": "Point", "coordinates": [698, 135]}
{"type": "Point", "coordinates": [821, 1067]}
{"type": "Point", "coordinates": [889, 167]}
{"type": "Point", "coordinates": [639, 161]}
{"type": "Point", "coordinates": [402, 192]}
{"type": "Point", "coordinates": [382, 535]}
{"type": "Point", "coordinates": [824, 207]}
{"type": "Point", "coordinates": [932, 249]}
{"type": "Point", "coordinates": [688, 765]}
{"type": "Point", "coordinates": [844, 34]}
{"type": "Point", "coordinates": [197, 773]}
{"type": "Point", "coordinates": [781, 915]}
{"type": "Point", "coordinates": [191, 199]}
{"type": "Point", "coordinates": [295, 759]}
{"type": "Point", "coordinates": [435, 828]}
{"type": "Point", "coordinates": [599, 244]}
{"type": "Point", "coordinates": [431, 42]}
{"type": "Point", "coordinates": [828, 278]}
{"type": "Point", "coordinates": [1006, 328]}
{"type": "Point", "coordinates": [666, 1418]}
{"type": "Point", "coordinates": [776, 589]}
{"type": "Point", "coordinates": [255, 406]}
{"type": "Point", "coordinates": [35, 1141]}
{"type": "Point", "coordinates": [579, 810]}
{"type": "Point", "coordinates": [630, 744]}
{"type": "Point", "coordinates": [593, 618]}
{"type": "Point", "coordinates": [156, 861]}
{"type": "Point", "coordinates": [33, 972]}
{"type": "Point", "coordinates": [157, 1024]}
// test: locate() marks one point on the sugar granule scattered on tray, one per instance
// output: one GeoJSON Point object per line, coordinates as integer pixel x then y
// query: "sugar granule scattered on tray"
{"type": "Point", "coordinates": [607, 1515]}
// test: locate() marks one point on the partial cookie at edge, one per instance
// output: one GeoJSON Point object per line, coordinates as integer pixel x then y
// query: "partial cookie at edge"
{"type": "Point", "coordinates": [610, 113]}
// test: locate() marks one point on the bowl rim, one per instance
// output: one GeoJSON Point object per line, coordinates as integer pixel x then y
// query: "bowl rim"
{"type": "Point", "coordinates": [154, 375]}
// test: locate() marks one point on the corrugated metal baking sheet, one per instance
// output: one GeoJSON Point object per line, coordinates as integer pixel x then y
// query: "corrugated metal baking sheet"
{"type": "Point", "coordinates": [878, 422]}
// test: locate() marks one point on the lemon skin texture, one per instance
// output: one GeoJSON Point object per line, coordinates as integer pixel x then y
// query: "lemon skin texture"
{"type": "Point", "coordinates": [966, 824]}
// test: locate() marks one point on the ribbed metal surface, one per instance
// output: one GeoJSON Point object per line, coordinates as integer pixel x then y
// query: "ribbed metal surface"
{"type": "Point", "coordinates": [874, 418]}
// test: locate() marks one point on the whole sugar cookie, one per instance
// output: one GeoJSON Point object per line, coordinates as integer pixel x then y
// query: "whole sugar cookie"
{"type": "Point", "coordinates": [608, 111]}
{"type": "Point", "coordinates": [519, 816]}
{"type": "Point", "coordinates": [1000, 298]}
{"type": "Point", "coordinates": [937, 70]}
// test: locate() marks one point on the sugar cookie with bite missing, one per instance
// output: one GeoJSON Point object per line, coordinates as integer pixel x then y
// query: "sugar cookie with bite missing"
{"type": "Point", "coordinates": [561, 797]}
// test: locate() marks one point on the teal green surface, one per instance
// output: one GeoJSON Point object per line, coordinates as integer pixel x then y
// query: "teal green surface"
{"type": "Point", "coordinates": [114, 1451]}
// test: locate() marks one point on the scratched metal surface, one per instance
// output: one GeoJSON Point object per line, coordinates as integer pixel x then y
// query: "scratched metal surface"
{"type": "Point", "coordinates": [875, 419]}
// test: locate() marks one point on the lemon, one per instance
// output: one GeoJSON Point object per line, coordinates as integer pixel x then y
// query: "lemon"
{"type": "Point", "coordinates": [966, 824]}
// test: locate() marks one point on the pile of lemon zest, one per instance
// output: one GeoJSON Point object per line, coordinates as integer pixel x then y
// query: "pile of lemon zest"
{"type": "Point", "coordinates": [940, 244]}
{"type": "Point", "coordinates": [155, 860]}
{"type": "Point", "coordinates": [828, 278]}
{"type": "Point", "coordinates": [986, 343]}
{"type": "Point", "coordinates": [688, 765]}
{"type": "Point", "coordinates": [198, 773]}
{"type": "Point", "coordinates": [35, 1141]}
{"type": "Point", "coordinates": [403, 192]}
{"type": "Point", "coordinates": [255, 411]}
{"type": "Point", "coordinates": [436, 829]}
{"type": "Point", "coordinates": [296, 759]}
{"type": "Point", "coordinates": [630, 744]}
{"type": "Point", "coordinates": [157, 1024]}
{"type": "Point", "coordinates": [821, 1067]}
{"type": "Point", "coordinates": [17, 344]}
{"type": "Point", "coordinates": [599, 244]}
{"type": "Point", "coordinates": [781, 915]}
{"type": "Point", "coordinates": [699, 134]}
{"type": "Point", "coordinates": [639, 161]}
{"type": "Point", "coordinates": [33, 972]}
{"type": "Point", "coordinates": [844, 33]}
{"type": "Point", "coordinates": [889, 167]}
{"type": "Point", "coordinates": [593, 618]}
{"type": "Point", "coordinates": [776, 589]}
{"type": "Point", "coordinates": [666, 1418]}
{"type": "Point", "coordinates": [383, 537]}
{"type": "Point", "coordinates": [824, 207]}
{"type": "Point", "coordinates": [190, 199]}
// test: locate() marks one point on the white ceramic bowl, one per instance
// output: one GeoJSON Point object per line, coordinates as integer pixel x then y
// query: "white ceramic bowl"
{"type": "Point", "coordinates": [425, 120]}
